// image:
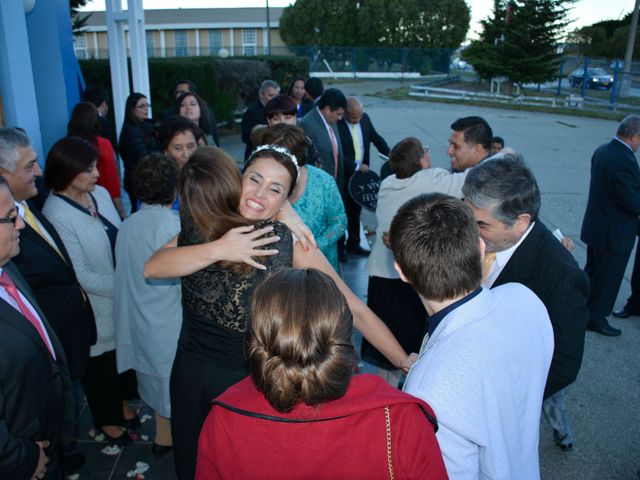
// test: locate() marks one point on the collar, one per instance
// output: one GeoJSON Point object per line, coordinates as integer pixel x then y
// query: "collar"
{"type": "Point", "coordinates": [323, 119]}
{"type": "Point", "coordinates": [435, 319]}
{"type": "Point", "coordinates": [624, 143]}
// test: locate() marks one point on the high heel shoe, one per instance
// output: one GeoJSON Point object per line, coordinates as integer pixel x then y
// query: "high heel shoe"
{"type": "Point", "coordinates": [160, 450]}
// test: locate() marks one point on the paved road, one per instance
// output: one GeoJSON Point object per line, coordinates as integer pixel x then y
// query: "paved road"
{"type": "Point", "coordinates": [558, 148]}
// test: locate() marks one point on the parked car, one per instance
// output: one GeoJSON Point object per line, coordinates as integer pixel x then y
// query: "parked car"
{"type": "Point", "coordinates": [596, 78]}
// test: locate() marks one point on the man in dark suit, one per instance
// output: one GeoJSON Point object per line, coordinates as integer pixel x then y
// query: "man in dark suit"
{"type": "Point", "coordinates": [254, 115]}
{"type": "Point", "coordinates": [98, 96]}
{"type": "Point", "coordinates": [505, 199]}
{"type": "Point", "coordinates": [45, 264]}
{"type": "Point", "coordinates": [356, 135]}
{"type": "Point", "coordinates": [610, 222]}
{"type": "Point", "coordinates": [36, 398]}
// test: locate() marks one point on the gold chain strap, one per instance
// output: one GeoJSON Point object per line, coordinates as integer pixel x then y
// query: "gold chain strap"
{"type": "Point", "coordinates": [388, 422]}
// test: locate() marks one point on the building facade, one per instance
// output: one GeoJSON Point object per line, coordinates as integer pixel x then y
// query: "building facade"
{"type": "Point", "coordinates": [193, 32]}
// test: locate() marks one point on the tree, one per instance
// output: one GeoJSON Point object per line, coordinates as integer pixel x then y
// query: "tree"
{"type": "Point", "coordinates": [375, 23]}
{"type": "Point", "coordinates": [520, 41]}
{"type": "Point", "coordinates": [604, 39]}
{"type": "Point", "coordinates": [78, 21]}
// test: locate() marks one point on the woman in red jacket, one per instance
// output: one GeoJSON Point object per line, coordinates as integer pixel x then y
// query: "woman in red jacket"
{"type": "Point", "coordinates": [301, 413]}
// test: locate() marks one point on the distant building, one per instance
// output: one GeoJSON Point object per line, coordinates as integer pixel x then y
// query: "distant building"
{"type": "Point", "coordinates": [186, 32]}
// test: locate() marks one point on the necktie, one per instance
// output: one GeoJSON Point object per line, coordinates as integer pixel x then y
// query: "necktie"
{"type": "Point", "coordinates": [30, 218]}
{"type": "Point", "coordinates": [356, 143]}
{"type": "Point", "coordinates": [489, 258]}
{"type": "Point", "coordinates": [334, 144]}
{"type": "Point", "coordinates": [10, 287]}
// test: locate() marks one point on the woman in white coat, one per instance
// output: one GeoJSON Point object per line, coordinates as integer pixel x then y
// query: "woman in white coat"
{"type": "Point", "coordinates": [87, 222]}
{"type": "Point", "coordinates": [148, 313]}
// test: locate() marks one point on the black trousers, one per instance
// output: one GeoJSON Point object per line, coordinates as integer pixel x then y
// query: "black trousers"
{"type": "Point", "coordinates": [605, 271]}
{"type": "Point", "coordinates": [633, 302]}
{"type": "Point", "coordinates": [194, 384]}
{"type": "Point", "coordinates": [352, 210]}
{"type": "Point", "coordinates": [106, 389]}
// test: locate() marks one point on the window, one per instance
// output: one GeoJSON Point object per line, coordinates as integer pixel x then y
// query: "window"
{"type": "Point", "coordinates": [150, 45]}
{"type": "Point", "coordinates": [215, 41]}
{"type": "Point", "coordinates": [80, 46]}
{"type": "Point", "coordinates": [249, 42]}
{"type": "Point", "coordinates": [181, 43]}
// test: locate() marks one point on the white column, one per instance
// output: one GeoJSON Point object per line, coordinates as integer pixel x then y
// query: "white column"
{"type": "Point", "coordinates": [197, 42]}
{"type": "Point", "coordinates": [231, 42]}
{"type": "Point", "coordinates": [138, 41]}
{"type": "Point", "coordinates": [96, 45]}
{"type": "Point", "coordinates": [163, 52]}
{"type": "Point", "coordinates": [117, 58]}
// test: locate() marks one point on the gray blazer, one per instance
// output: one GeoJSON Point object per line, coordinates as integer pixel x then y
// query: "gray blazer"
{"type": "Point", "coordinates": [313, 125]}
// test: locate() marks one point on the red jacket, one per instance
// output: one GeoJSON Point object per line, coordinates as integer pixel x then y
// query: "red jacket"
{"type": "Point", "coordinates": [107, 167]}
{"type": "Point", "coordinates": [245, 438]}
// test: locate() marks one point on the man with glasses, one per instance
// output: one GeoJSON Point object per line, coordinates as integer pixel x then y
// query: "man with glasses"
{"type": "Point", "coordinates": [36, 396]}
{"type": "Point", "coordinates": [45, 264]}
{"type": "Point", "coordinates": [357, 133]}
{"type": "Point", "coordinates": [610, 222]}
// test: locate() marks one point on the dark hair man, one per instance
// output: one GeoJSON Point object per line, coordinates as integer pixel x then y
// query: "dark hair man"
{"type": "Point", "coordinates": [505, 199]}
{"type": "Point", "coordinates": [99, 97]}
{"type": "Point", "coordinates": [314, 89]}
{"type": "Point", "coordinates": [497, 144]}
{"type": "Point", "coordinates": [470, 142]}
{"type": "Point", "coordinates": [610, 222]}
{"type": "Point", "coordinates": [320, 124]}
{"type": "Point", "coordinates": [485, 359]}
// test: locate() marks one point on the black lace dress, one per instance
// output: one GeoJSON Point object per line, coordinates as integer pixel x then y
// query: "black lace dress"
{"type": "Point", "coordinates": [216, 303]}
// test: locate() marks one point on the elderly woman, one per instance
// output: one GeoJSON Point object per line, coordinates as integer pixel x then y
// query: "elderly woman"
{"type": "Point", "coordinates": [301, 392]}
{"type": "Point", "coordinates": [394, 301]}
{"type": "Point", "coordinates": [87, 222]}
{"type": "Point", "coordinates": [137, 139]}
{"type": "Point", "coordinates": [148, 313]}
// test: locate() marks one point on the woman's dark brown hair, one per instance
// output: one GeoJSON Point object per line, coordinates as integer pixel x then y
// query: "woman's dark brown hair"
{"type": "Point", "coordinates": [69, 157]}
{"type": "Point", "coordinates": [405, 157]}
{"type": "Point", "coordinates": [299, 341]}
{"type": "Point", "coordinates": [205, 116]}
{"type": "Point", "coordinates": [209, 188]}
{"type": "Point", "coordinates": [288, 136]}
{"type": "Point", "coordinates": [84, 122]}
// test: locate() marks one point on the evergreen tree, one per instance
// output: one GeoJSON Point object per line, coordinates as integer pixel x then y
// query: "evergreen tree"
{"type": "Point", "coordinates": [521, 45]}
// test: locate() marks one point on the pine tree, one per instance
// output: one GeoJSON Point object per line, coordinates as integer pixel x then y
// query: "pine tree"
{"type": "Point", "coordinates": [522, 47]}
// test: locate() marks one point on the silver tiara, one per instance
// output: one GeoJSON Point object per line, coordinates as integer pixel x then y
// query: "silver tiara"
{"type": "Point", "coordinates": [277, 148]}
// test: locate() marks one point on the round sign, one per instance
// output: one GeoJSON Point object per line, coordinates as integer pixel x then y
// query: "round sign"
{"type": "Point", "coordinates": [363, 188]}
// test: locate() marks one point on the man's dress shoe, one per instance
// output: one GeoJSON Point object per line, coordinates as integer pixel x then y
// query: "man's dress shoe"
{"type": "Point", "coordinates": [624, 313]}
{"type": "Point", "coordinates": [606, 330]}
{"type": "Point", "coordinates": [359, 251]}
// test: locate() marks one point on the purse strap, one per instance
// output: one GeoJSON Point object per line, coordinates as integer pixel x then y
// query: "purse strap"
{"type": "Point", "coordinates": [388, 425]}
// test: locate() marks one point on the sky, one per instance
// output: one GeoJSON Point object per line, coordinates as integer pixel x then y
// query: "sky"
{"type": "Point", "coordinates": [584, 12]}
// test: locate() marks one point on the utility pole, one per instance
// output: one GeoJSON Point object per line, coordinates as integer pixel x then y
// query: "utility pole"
{"type": "Point", "coordinates": [626, 69]}
{"type": "Point", "coordinates": [269, 30]}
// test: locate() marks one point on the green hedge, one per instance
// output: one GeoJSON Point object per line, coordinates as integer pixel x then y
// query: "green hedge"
{"type": "Point", "coordinates": [225, 84]}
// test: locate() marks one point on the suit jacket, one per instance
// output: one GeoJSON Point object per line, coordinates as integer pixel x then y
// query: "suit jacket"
{"type": "Point", "coordinates": [36, 398]}
{"type": "Point", "coordinates": [369, 135]}
{"type": "Point", "coordinates": [254, 115]}
{"type": "Point", "coordinates": [313, 125]}
{"type": "Point", "coordinates": [545, 266]}
{"type": "Point", "coordinates": [58, 293]}
{"type": "Point", "coordinates": [611, 219]}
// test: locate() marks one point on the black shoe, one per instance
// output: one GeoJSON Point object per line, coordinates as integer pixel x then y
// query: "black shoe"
{"type": "Point", "coordinates": [342, 256]}
{"type": "Point", "coordinates": [606, 330]}
{"type": "Point", "coordinates": [133, 423]}
{"type": "Point", "coordinates": [72, 463]}
{"type": "Point", "coordinates": [359, 251]}
{"type": "Point", "coordinates": [565, 447]}
{"type": "Point", "coordinates": [120, 441]}
{"type": "Point", "coordinates": [624, 313]}
{"type": "Point", "coordinates": [160, 450]}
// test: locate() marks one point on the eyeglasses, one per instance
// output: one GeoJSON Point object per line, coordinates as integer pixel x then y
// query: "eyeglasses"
{"type": "Point", "coordinates": [426, 148]}
{"type": "Point", "coordinates": [143, 106]}
{"type": "Point", "coordinates": [11, 220]}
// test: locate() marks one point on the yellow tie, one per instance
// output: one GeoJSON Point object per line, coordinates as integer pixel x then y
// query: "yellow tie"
{"type": "Point", "coordinates": [33, 223]}
{"type": "Point", "coordinates": [356, 142]}
{"type": "Point", "coordinates": [489, 258]}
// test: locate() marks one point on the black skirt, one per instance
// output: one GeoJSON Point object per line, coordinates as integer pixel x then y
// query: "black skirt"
{"type": "Point", "coordinates": [400, 308]}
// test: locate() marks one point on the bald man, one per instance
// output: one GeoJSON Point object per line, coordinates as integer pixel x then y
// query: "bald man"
{"type": "Point", "coordinates": [356, 135]}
